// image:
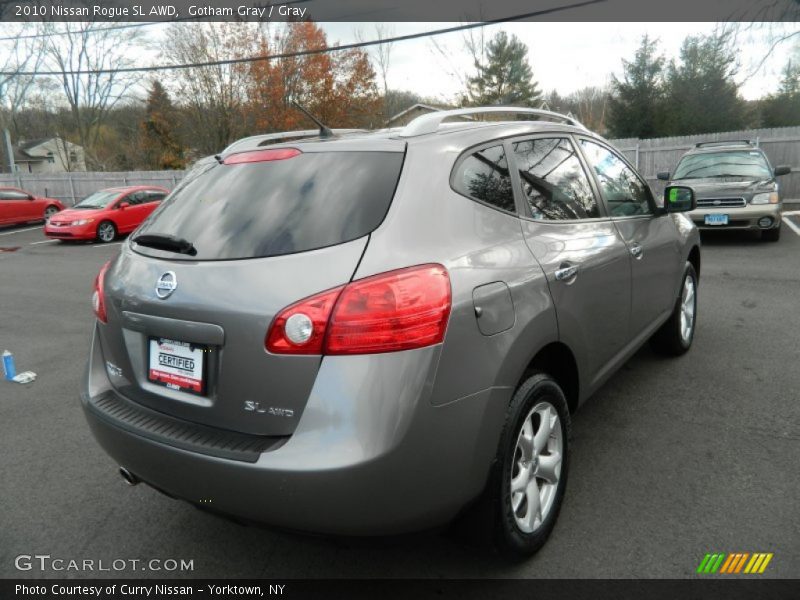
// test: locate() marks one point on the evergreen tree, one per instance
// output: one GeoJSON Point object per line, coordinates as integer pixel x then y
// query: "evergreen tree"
{"type": "Point", "coordinates": [702, 95]}
{"type": "Point", "coordinates": [506, 77]}
{"type": "Point", "coordinates": [638, 99]}
{"type": "Point", "coordinates": [160, 146]}
{"type": "Point", "coordinates": [783, 109]}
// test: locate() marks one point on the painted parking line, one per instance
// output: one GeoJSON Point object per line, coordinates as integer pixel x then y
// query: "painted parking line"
{"type": "Point", "coordinates": [20, 230]}
{"type": "Point", "coordinates": [43, 242]}
{"type": "Point", "coordinates": [787, 218]}
{"type": "Point", "coordinates": [107, 245]}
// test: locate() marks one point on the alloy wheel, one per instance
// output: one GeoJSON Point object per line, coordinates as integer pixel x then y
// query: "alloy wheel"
{"type": "Point", "coordinates": [537, 467]}
{"type": "Point", "coordinates": [105, 232]}
{"type": "Point", "coordinates": [687, 309]}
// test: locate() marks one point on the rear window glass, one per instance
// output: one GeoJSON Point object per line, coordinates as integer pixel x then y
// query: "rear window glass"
{"type": "Point", "coordinates": [271, 208]}
{"type": "Point", "coordinates": [484, 176]}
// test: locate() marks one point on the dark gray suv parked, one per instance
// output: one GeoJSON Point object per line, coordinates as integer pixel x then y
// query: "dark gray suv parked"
{"type": "Point", "coordinates": [736, 187]}
{"type": "Point", "coordinates": [367, 332]}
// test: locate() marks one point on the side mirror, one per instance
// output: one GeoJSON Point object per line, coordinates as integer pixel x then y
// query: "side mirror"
{"type": "Point", "coordinates": [679, 198]}
{"type": "Point", "coordinates": [782, 170]}
{"type": "Point", "coordinates": [123, 205]}
{"type": "Point", "coordinates": [663, 175]}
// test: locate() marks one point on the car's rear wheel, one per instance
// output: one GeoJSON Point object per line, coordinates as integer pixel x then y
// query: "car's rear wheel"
{"type": "Point", "coordinates": [771, 235]}
{"type": "Point", "coordinates": [531, 469]}
{"type": "Point", "coordinates": [676, 335]}
{"type": "Point", "coordinates": [106, 232]}
{"type": "Point", "coordinates": [49, 212]}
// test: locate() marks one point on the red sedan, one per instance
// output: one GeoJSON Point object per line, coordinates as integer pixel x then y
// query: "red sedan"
{"type": "Point", "coordinates": [106, 214]}
{"type": "Point", "coordinates": [18, 206]}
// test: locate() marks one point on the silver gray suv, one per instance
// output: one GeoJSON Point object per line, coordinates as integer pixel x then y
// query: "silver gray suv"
{"type": "Point", "coordinates": [365, 333]}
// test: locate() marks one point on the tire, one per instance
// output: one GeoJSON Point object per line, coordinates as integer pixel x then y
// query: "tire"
{"type": "Point", "coordinates": [106, 232]}
{"type": "Point", "coordinates": [675, 337]}
{"type": "Point", "coordinates": [771, 235]}
{"type": "Point", "coordinates": [49, 212]}
{"type": "Point", "coordinates": [519, 530]}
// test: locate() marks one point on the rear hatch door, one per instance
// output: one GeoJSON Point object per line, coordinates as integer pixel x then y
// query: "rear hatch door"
{"type": "Point", "coordinates": [190, 303]}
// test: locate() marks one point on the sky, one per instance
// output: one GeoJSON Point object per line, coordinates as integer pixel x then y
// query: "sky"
{"type": "Point", "coordinates": [563, 56]}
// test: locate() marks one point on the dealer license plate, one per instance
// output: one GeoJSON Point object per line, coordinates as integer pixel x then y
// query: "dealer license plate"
{"type": "Point", "coordinates": [177, 365]}
{"type": "Point", "coordinates": [716, 219]}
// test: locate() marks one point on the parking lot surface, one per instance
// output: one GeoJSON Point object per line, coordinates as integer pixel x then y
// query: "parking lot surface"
{"type": "Point", "coordinates": [671, 459]}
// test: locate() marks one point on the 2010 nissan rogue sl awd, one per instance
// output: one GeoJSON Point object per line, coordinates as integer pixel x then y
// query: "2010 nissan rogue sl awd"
{"type": "Point", "coordinates": [364, 332]}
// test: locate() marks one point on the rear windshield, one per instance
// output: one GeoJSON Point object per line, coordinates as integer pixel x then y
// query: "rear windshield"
{"type": "Point", "coordinates": [742, 163]}
{"type": "Point", "coordinates": [259, 209]}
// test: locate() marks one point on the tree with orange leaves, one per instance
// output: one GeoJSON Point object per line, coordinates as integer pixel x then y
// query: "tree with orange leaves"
{"type": "Point", "coordinates": [338, 87]}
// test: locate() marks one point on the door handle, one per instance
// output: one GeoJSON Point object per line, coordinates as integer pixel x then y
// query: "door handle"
{"type": "Point", "coordinates": [567, 273]}
{"type": "Point", "coordinates": [637, 251]}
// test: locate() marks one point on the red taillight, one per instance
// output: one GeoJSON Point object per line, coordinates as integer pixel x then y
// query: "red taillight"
{"type": "Point", "coordinates": [317, 310]}
{"type": "Point", "coordinates": [99, 295]}
{"type": "Point", "coordinates": [261, 156]}
{"type": "Point", "coordinates": [398, 310]}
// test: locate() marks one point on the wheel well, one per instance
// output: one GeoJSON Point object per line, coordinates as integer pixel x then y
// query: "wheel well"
{"type": "Point", "coordinates": [694, 258]}
{"type": "Point", "coordinates": [557, 360]}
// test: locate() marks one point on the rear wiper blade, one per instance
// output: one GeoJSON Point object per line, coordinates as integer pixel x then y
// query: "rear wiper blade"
{"type": "Point", "coordinates": [162, 241]}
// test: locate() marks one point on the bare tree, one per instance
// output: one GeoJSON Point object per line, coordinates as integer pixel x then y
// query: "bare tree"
{"type": "Point", "coordinates": [77, 51]}
{"type": "Point", "coordinates": [383, 52]}
{"type": "Point", "coordinates": [16, 56]}
{"type": "Point", "coordinates": [213, 97]}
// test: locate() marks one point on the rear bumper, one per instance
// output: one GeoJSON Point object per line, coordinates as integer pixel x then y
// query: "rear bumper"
{"type": "Point", "coordinates": [371, 455]}
{"type": "Point", "coordinates": [746, 217]}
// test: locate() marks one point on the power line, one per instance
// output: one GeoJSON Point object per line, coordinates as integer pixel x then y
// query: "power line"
{"type": "Point", "coordinates": [32, 36]}
{"type": "Point", "coordinates": [232, 61]}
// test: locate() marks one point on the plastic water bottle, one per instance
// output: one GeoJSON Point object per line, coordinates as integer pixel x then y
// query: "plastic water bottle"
{"type": "Point", "coordinates": [8, 365]}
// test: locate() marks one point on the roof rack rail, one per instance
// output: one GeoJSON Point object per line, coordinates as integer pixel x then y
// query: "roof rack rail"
{"type": "Point", "coordinates": [724, 143]}
{"type": "Point", "coordinates": [429, 123]}
{"type": "Point", "coordinates": [275, 138]}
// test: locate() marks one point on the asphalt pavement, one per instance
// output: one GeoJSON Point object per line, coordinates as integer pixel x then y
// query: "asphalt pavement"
{"type": "Point", "coordinates": [672, 459]}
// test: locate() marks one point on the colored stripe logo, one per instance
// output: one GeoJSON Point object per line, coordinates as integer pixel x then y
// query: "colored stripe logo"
{"type": "Point", "coordinates": [735, 563]}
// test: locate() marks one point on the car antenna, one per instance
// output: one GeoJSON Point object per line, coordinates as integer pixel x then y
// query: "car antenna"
{"type": "Point", "coordinates": [324, 130]}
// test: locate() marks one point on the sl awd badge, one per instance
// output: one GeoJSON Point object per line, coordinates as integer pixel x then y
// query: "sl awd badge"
{"type": "Point", "coordinates": [166, 284]}
{"type": "Point", "coordinates": [251, 406]}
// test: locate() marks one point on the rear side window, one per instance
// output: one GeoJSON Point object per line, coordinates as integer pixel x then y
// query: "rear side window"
{"type": "Point", "coordinates": [276, 207]}
{"type": "Point", "coordinates": [13, 195]}
{"type": "Point", "coordinates": [154, 196]}
{"type": "Point", "coordinates": [484, 176]}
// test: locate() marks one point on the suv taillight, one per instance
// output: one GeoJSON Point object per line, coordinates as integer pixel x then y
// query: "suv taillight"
{"type": "Point", "coordinates": [398, 310]}
{"type": "Point", "coordinates": [99, 295]}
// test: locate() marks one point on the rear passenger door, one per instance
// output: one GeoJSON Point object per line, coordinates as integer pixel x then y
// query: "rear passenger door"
{"type": "Point", "coordinates": [152, 198]}
{"type": "Point", "coordinates": [650, 236]}
{"type": "Point", "coordinates": [579, 248]}
{"type": "Point", "coordinates": [128, 218]}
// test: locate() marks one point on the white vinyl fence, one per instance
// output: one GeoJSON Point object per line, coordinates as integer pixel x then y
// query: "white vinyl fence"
{"type": "Point", "coordinates": [70, 188]}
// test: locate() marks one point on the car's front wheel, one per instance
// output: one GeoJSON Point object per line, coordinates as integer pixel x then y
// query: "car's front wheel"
{"type": "Point", "coordinates": [531, 468]}
{"type": "Point", "coordinates": [106, 232]}
{"type": "Point", "coordinates": [676, 335]}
